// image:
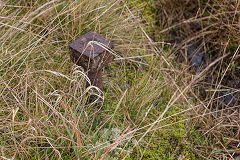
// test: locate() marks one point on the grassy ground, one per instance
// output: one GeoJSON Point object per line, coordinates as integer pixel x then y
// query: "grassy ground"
{"type": "Point", "coordinates": [144, 111]}
{"type": "Point", "coordinates": [208, 29]}
{"type": "Point", "coordinates": [45, 108]}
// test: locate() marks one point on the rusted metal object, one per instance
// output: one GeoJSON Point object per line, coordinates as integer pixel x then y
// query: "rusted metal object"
{"type": "Point", "coordinates": [91, 52]}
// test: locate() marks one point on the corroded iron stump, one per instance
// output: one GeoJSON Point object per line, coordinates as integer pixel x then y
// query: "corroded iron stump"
{"type": "Point", "coordinates": [91, 51]}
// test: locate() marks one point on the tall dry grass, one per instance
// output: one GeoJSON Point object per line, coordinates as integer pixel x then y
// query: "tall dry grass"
{"type": "Point", "coordinates": [213, 26]}
{"type": "Point", "coordinates": [45, 111]}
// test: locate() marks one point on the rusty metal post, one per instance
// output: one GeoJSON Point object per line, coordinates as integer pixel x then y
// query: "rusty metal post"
{"type": "Point", "coordinates": [89, 51]}
{"type": "Point", "coordinates": [96, 78]}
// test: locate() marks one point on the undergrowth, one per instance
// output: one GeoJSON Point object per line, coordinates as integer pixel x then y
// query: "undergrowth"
{"type": "Point", "coordinates": [46, 112]}
{"type": "Point", "coordinates": [205, 37]}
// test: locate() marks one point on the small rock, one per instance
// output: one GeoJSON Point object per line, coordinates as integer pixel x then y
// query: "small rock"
{"type": "Point", "coordinates": [197, 60]}
{"type": "Point", "coordinates": [195, 54]}
{"type": "Point", "coordinates": [228, 98]}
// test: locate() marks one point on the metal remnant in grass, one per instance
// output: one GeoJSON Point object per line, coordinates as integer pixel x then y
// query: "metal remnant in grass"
{"type": "Point", "coordinates": [91, 51]}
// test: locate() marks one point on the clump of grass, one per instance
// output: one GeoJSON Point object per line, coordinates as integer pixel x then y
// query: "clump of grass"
{"type": "Point", "coordinates": [45, 108]}
{"type": "Point", "coordinates": [213, 26]}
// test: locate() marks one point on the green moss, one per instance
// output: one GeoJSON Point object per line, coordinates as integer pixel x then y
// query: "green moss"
{"type": "Point", "coordinates": [167, 139]}
{"type": "Point", "coordinates": [168, 143]}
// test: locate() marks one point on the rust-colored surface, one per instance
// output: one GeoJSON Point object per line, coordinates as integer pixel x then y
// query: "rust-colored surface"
{"type": "Point", "coordinates": [87, 45]}
{"type": "Point", "coordinates": [90, 52]}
